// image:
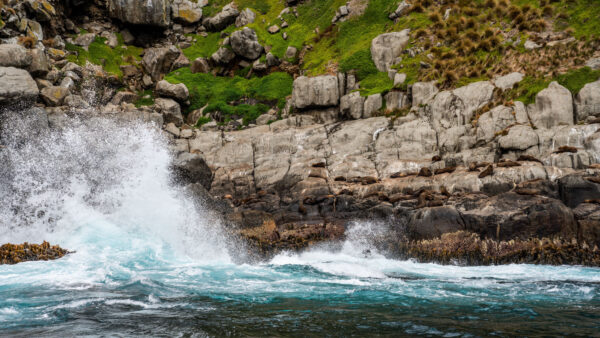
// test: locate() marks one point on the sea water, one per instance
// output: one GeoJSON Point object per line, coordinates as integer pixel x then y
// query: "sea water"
{"type": "Point", "coordinates": [149, 260]}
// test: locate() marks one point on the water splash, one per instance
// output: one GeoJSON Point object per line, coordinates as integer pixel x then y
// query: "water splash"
{"type": "Point", "coordinates": [99, 170]}
{"type": "Point", "coordinates": [151, 260]}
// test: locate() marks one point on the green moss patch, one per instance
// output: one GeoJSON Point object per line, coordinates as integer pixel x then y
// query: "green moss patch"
{"type": "Point", "coordinates": [146, 98]}
{"type": "Point", "coordinates": [110, 59]}
{"type": "Point", "coordinates": [574, 80]}
{"type": "Point", "coordinates": [223, 93]}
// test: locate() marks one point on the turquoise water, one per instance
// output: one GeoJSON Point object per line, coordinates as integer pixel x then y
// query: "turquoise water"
{"type": "Point", "coordinates": [118, 284]}
{"type": "Point", "coordinates": [151, 261]}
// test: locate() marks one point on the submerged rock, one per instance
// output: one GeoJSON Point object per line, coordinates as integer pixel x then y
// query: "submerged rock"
{"type": "Point", "coordinates": [18, 253]}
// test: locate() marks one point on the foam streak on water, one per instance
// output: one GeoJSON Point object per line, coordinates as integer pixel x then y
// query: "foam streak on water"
{"type": "Point", "coordinates": [150, 261]}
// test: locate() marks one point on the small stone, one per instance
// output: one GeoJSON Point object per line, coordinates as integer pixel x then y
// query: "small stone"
{"type": "Point", "coordinates": [178, 92]}
{"type": "Point", "coordinates": [85, 40]}
{"type": "Point", "coordinates": [530, 45]}
{"type": "Point", "coordinates": [200, 65]}
{"type": "Point", "coordinates": [54, 96]}
{"type": "Point", "coordinates": [273, 29]}
{"type": "Point", "coordinates": [399, 79]}
{"type": "Point", "coordinates": [172, 129]}
{"type": "Point", "coordinates": [291, 52]}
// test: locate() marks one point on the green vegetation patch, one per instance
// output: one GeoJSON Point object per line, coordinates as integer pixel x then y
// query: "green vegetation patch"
{"type": "Point", "coordinates": [528, 88]}
{"type": "Point", "coordinates": [222, 93]}
{"type": "Point", "coordinates": [575, 79]}
{"type": "Point", "coordinates": [101, 54]}
{"type": "Point", "coordinates": [204, 46]}
{"type": "Point", "coordinates": [582, 15]}
{"type": "Point", "coordinates": [146, 98]}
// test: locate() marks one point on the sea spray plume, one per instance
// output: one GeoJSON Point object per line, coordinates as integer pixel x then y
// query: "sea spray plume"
{"type": "Point", "coordinates": [118, 171]}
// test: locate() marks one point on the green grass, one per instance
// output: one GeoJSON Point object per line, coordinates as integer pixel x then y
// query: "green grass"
{"type": "Point", "coordinates": [203, 120]}
{"type": "Point", "coordinates": [468, 80]}
{"type": "Point", "coordinates": [583, 17]}
{"type": "Point", "coordinates": [143, 99]}
{"type": "Point", "coordinates": [575, 79]}
{"type": "Point", "coordinates": [528, 88]}
{"type": "Point", "coordinates": [110, 59]}
{"type": "Point", "coordinates": [203, 47]}
{"type": "Point", "coordinates": [375, 84]}
{"type": "Point", "coordinates": [221, 93]}
{"type": "Point", "coordinates": [248, 113]}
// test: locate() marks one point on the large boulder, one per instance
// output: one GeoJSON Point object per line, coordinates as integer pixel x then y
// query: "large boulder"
{"type": "Point", "coordinates": [588, 218]}
{"type": "Point", "coordinates": [422, 92]}
{"type": "Point", "coordinates": [55, 95]}
{"type": "Point", "coordinates": [186, 12]}
{"type": "Point", "coordinates": [474, 96]}
{"type": "Point", "coordinates": [17, 85]}
{"type": "Point", "coordinates": [13, 55]}
{"type": "Point", "coordinates": [245, 44]}
{"type": "Point", "coordinates": [553, 107]}
{"type": "Point", "coordinates": [396, 100]}
{"type": "Point", "coordinates": [42, 9]}
{"type": "Point", "coordinates": [352, 105]}
{"type": "Point", "coordinates": [192, 168]}
{"type": "Point", "coordinates": [428, 223]}
{"type": "Point", "coordinates": [456, 108]}
{"type": "Point", "coordinates": [222, 19]}
{"type": "Point", "coordinates": [223, 56]}
{"type": "Point", "coordinates": [519, 137]}
{"type": "Point", "coordinates": [372, 104]}
{"type": "Point", "coordinates": [593, 63]}
{"type": "Point", "coordinates": [158, 61]}
{"type": "Point", "coordinates": [386, 47]}
{"type": "Point", "coordinates": [170, 110]}
{"type": "Point", "coordinates": [200, 65]}
{"type": "Point", "coordinates": [574, 189]}
{"type": "Point", "coordinates": [587, 102]}
{"type": "Point", "coordinates": [178, 91]}
{"type": "Point", "coordinates": [320, 91]}
{"type": "Point", "coordinates": [493, 122]}
{"type": "Point", "coordinates": [403, 8]}
{"type": "Point", "coordinates": [247, 16]}
{"type": "Point", "coordinates": [141, 12]}
{"type": "Point", "coordinates": [508, 81]}
{"type": "Point", "coordinates": [513, 216]}
{"type": "Point", "coordinates": [39, 66]}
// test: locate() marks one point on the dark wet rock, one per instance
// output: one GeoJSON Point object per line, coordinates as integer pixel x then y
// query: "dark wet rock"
{"type": "Point", "coordinates": [425, 172]}
{"type": "Point", "coordinates": [191, 168]}
{"type": "Point", "coordinates": [575, 189]}
{"type": "Point", "coordinates": [429, 223]}
{"type": "Point", "coordinates": [510, 216]}
{"type": "Point", "coordinates": [588, 219]}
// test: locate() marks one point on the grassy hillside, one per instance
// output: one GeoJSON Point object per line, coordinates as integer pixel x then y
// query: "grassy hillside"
{"type": "Point", "coordinates": [479, 39]}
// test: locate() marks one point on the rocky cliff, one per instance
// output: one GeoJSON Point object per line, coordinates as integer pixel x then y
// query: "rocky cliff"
{"type": "Point", "coordinates": [295, 118]}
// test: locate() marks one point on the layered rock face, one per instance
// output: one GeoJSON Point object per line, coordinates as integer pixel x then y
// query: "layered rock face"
{"type": "Point", "coordinates": [424, 170]}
